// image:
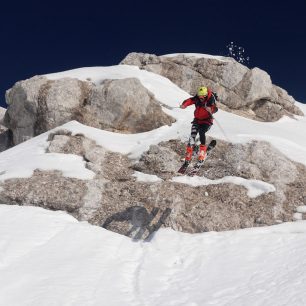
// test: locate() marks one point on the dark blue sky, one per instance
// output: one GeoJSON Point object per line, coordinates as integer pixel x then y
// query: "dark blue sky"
{"type": "Point", "coordinates": [39, 37]}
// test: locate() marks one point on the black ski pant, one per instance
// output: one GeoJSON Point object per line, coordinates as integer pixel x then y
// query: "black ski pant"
{"type": "Point", "coordinates": [198, 128]}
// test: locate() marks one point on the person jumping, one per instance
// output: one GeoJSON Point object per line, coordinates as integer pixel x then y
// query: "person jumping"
{"type": "Point", "coordinates": [205, 107]}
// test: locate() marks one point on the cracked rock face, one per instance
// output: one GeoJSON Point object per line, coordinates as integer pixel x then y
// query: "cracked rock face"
{"type": "Point", "coordinates": [37, 105]}
{"type": "Point", "coordinates": [247, 92]}
{"type": "Point", "coordinates": [5, 135]}
{"type": "Point", "coordinates": [120, 202]}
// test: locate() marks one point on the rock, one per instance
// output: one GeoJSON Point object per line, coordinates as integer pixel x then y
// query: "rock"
{"type": "Point", "coordinates": [238, 87]}
{"type": "Point", "coordinates": [2, 112]}
{"type": "Point", "coordinates": [123, 105]}
{"type": "Point", "coordinates": [158, 159]}
{"type": "Point", "coordinates": [5, 134]}
{"type": "Point", "coordinates": [37, 105]}
{"type": "Point", "coordinates": [116, 200]}
{"type": "Point", "coordinates": [5, 138]}
{"type": "Point", "coordinates": [22, 101]}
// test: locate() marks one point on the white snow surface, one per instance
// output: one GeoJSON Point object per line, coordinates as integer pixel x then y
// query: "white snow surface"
{"type": "Point", "coordinates": [199, 55]}
{"type": "Point", "coordinates": [255, 187]}
{"type": "Point", "coordinates": [148, 178]}
{"type": "Point", "coordinates": [48, 258]}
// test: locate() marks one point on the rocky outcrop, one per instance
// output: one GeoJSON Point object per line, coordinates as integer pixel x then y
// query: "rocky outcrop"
{"type": "Point", "coordinates": [5, 135]}
{"type": "Point", "coordinates": [116, 199]}
{"type": "Point", "coordinates": [2, 112]}
{"type": "Point", "coordinates": [245, 91]}
{"type": "Point", "coordinates": [123, 105]}
{"type": "Point", "coordinates": [5, 138]}
{"type": "Point", "coordinates": [37, 105]}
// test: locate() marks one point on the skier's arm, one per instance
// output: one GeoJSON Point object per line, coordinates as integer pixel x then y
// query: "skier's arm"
{"type": "Point", "coordinates": [187, 103]}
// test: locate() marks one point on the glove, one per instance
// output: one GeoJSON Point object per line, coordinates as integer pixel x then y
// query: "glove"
{"type": "Point", "coordinates": [182, 106]}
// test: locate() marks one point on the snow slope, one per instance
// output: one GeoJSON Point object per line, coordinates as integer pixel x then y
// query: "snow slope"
{"type": "Point", "coordinates": [48, 258]}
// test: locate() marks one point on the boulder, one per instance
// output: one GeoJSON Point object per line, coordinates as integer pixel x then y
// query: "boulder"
{"type": "Point", "coordinates": [5, 134]}
{"type": "Point", "coordinates": [238, 87]}
{"type": "Point", "coordinates": [37, 105]}
{"type": "Point", "coordinates": [123, 105]}
{"type": "Point", "coordinates": [2, 113]}
{"type": "Point", "coordinates": [5, 138]}
{"type": "Point", "coordinates": [22, 110]}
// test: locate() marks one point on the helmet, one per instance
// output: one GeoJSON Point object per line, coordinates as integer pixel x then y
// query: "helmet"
{"type": "Point", "coordinates": [202, 91]}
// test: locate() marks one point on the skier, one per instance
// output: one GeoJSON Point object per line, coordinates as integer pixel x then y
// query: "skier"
{"type": "Point", "coordinates": [205, 103]}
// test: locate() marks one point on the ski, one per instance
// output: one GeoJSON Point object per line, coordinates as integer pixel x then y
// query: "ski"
{"type": "Point", "coordinates": [184, 167]}
{"type": "Point", "coordinates": [194, 171]}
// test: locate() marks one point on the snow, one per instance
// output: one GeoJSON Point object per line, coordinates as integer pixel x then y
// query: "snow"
{"type": "Point", "coordinates": [199, 55]}
{"type": "Point", "coordinates": [147, 178]}
{"type": "Point", "coordinates": [297, 216]}
{"type": "Point", "coordinates": [34, 156]}
{"type": "Point", "coordinates": [48, 258]}
{"type": "Point", "coordinates": [255, 187]}
{"type": "Point", "coordinates": [301, 209]}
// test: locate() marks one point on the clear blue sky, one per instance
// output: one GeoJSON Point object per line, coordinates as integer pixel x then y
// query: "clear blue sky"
{"type": "Point", "coordinates": [39, 37]}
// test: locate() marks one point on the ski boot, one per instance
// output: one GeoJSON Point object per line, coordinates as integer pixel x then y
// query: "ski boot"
{"type": "Point", "coordinates": [202, 153]}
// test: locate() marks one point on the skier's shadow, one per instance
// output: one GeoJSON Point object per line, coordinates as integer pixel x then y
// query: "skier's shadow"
{"type": "Point", "coordinates": [140, 219]}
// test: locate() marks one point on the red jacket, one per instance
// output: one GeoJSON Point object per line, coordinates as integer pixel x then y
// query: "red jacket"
{"type": "Point", "coordinates": [201, 115]}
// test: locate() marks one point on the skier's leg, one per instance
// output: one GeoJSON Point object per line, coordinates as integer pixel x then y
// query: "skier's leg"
{"type": "Point", "coordinates": [191, 142]}
{"type": "Point", "coordinates": [193, 135]}
{"type": "Point", "coordinates": [203, 148]}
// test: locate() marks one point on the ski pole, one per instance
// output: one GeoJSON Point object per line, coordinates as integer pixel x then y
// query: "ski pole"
{"type": "Point", "coordinates": [221, 129]}
{"type": "Point", "coordinates": [219, 125]}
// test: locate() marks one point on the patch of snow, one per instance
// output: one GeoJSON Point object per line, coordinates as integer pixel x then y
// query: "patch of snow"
{"type": "Point", "coordinates": [148, 178]}
{"type": "Point", "coordinates": [255, 187]}
{"type": "Point", "coordinates": [297, 216]}
{"type": "Point", "coordinates": [21, 160]}
{"type": "Point", "coordinates": [199, 55]}
{"type": "Point", "coordinates": [301, 209]}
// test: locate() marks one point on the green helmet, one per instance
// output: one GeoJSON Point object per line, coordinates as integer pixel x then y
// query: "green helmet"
{"type": "Point", "coordinates": [202, 91]}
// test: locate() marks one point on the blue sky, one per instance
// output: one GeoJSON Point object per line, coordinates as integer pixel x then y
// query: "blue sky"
{"type": "Point", "coordinates": [39, 38]}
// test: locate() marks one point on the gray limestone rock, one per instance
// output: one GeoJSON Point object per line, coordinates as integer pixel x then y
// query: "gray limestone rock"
{"type": "Point", "coordinates": [5, 134]}
{"type": "Point", "coordinates": [120, 202]}
{"type": "Point", "coordinates": [2, 113]}
{"type": "Point", "coordinates": [123, 105]}
{"type": "Point", "coordinates": [239, 88]}
{"type": "Point", "coordinates": [37, 105]}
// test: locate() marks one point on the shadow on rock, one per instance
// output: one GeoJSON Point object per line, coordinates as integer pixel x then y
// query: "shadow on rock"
{"type": "Point", "coordinates": [141, 221]}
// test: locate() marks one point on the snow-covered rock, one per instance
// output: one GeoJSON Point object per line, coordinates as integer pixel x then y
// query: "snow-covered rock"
{"type": "Point", "coordinates": [38, 104]}
{"type": "Point", "coordinates": [5, 135]}
{"type": "Point", "coordinates": [128, 182]}
{"type": "Point", "coordinates": [246, 185]}
{"type": "Point", "coordinates": [238, 87]}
